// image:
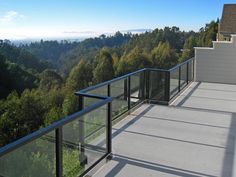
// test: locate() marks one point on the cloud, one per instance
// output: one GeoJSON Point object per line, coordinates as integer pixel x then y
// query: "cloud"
{"type": "Point", "coordinates": [10, 16]}
{"type": "Point", "coordinates": [81, 33]}
{"type": "Point", "coordinates": [78, 32]}
{"type": "Point", "coordinates": [140, 30]}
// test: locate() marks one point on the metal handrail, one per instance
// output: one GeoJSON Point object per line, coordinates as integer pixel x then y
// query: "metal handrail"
{"type": "Point", "coordinates": [109, 82]}
{"type": "Point", "coordinates": [179, 65]}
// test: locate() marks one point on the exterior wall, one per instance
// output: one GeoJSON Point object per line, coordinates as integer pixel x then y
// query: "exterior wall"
{"type": "Point", "coordinates": [217, 64]}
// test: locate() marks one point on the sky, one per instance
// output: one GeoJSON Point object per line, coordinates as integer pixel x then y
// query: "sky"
{"type": "Point", "coordinates": [25, 19]}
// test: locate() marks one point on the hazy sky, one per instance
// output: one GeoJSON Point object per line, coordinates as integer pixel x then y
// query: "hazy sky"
{"type": "Point", "coordinates": [67, 18]}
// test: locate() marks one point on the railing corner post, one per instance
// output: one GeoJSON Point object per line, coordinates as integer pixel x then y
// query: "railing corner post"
{"type": "Point", "coordinates": [109, 125]}
{"type": "Point", "coordinates": [82, 157]}
{"type": "Point", "coordinates": [109, 130]}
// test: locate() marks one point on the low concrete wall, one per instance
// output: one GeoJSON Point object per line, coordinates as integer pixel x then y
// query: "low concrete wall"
{"type": "Point", "coordinates": [217, 64]}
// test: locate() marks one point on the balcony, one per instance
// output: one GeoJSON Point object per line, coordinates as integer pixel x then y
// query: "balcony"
{"type": "Point", "coordinates": [151, 122]}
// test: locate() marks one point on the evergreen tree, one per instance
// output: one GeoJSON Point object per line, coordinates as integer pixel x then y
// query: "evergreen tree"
{"type": "Point", "coordinates": [188, 50]}
{"type": "Point", "coordinates": [208, 34]}
{"type": "Point", "coordinates": [134, 60]}
{"type": "Point", "coordinates": [49, 79]}
{"type": "Point", "coordinates": [104, 69]}
{"type": "Point", "coordinates": [80, 76]}
{"type": "Point", "coordinates": [163, 56]}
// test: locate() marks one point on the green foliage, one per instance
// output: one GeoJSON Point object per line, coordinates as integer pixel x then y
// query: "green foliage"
{"type": "Point", "coordinates": [9, 121]}
{"type": "Point", "coordinates": [50, 50]}
{"type": "Point", "coordinates": [31, 160]}
{"type": "Point", "coordinates": [70, 104]}
{"type": "Point", "coordinates": [104, 69]}
{"type": "Point", "coordinates": [13, 77]}
{"type": "Point", "coordinates": [49, 80]}
{"type": "Point", "coordinates": [21, 57]}
{"type": "Point", "coordinates": [27, 165]}
{"type": "Point", "coordinates": [163, 56]}
{"type": "Point", "coordinates": [71, 163]}
{"type": "Point", "coordinates": [20, 115]}
{"type": "Point", "coordinates": [208, 34]}
{"type": "Point", "coordinates": [88, 48]}
{"type": "Point", "coordinates": [188, 51]}
{"type": "Point", "coordinates": [53, 115]}
{"type": "Point", "coordinates": [134, 60]}
{"type": "Point", "coordinates": [79, 77]}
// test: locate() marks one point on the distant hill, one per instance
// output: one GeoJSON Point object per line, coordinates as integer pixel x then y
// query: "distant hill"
{"type": "Point", "coordinates": [88, 49]}
{"type": "Point", "coordinates": [22, 57]}
{"type": "Point", "coordinates": [14, 77]}
{"type": "Point", "coordinates": [49, 51]}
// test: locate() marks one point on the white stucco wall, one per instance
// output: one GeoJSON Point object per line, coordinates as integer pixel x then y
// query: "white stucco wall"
{"type": "Point", "coordinates": [217, 64]}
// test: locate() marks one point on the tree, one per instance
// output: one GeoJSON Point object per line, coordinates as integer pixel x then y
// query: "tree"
{"type": "Point", "coordinates": [49, 79]}
{"type": "Point", "coordinates": [208, 34]}
{"type": "Point", "coordinates": [163, 56]}
{"type": "Point", "coordinates": [188, 51]}
{"type": "Point", "coordinates": [13, 77]}
{"type": "Point", "coordinates": [134, 60]}
{"type": "Point", "coordinates": [70, 104]}
{"type": "Point", "coordinates": [104, 70]}
{"type": "Point", "coordinates": [53, 115]}
{"type": "Point", "coordinates": [20, 116]}
{"type": "Point", "coordinates": [79, 77]}
{"type": "Point", "coordinates": [9, 120]}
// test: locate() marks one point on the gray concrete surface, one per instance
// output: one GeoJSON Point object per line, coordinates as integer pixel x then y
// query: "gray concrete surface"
{"type": "Point", "coordinates": [195, 136]}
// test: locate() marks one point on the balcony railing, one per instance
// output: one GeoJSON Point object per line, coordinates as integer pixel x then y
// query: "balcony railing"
{"type": "Point", "coordinates": [76, 144]}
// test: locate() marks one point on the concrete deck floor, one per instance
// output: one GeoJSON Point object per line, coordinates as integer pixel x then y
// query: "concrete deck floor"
{"type": "Point", "coordinates": [195, 136]}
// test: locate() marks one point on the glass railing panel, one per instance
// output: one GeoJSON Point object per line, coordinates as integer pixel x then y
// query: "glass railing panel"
{"type": "Point", "coordinates": [89, 101]}
{"type": "Point", "coordinates": [136, 88]}
{"type": "Point", "coordinates": [35, 159]}
{"type": "Point", "coordinates": [119, 94]}
{"type": "Point", "coordinates": [94, 122]}
{"type": "Point", "coordinates": [174, 82]}
{"type": "Point", "coordinates": [157, 80]}
{"type": "Point", "coordinates": [183, 76]}
{"type": "Point", "coordinates": [88, 132]}
{"type": "Point", "coordinates": [101, 91]}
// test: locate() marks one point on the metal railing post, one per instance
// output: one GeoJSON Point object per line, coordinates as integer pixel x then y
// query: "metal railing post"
{"type": "Point", "coordinates": [167, 86]}
{"type": "Point", "coordinates": [142, 83]}
{"type": "Point", "coordinates": [179, 79]}
{"type": "Point", "coordinates": [147, 78]}
{"type": "Point", "coordinates": [128, 93]}
{"type": "Point", "coordinates": [125, 89]}
{"type": "Point", "coordinates": [109, 124]}
{"type": "Point", "coordinates": [59, 152]}
{"type": "Point", "coordinates": [82, 157]}
{"type": "Point", "coordinates": [187, 73]}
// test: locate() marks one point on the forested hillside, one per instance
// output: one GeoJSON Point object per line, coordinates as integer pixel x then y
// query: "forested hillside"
{"type": "Point", "coordinates": [49, 50]}
{"type": "Point", "coordinates": [38, 81]}
{"type": "Point", "coordinates": [22, 57]}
